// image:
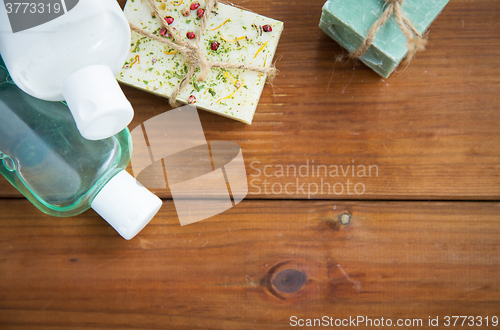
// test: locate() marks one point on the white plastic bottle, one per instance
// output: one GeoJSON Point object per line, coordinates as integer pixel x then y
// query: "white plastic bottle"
{"type": "Point", "coordinates": [74, 56]}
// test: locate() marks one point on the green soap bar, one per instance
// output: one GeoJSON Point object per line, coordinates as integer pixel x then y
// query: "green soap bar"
{"type": "Point", "coordinates": [348, 22]}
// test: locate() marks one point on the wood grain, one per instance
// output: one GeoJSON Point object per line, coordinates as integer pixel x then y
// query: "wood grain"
{"type": "Point", "coordinates": [392, 260]}
{"type": "Point", "coordinates": [432, 128]}
{"type": "Point", "coordinates": [433, 132]}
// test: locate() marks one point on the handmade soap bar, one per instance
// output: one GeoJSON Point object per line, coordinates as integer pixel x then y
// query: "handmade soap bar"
{"type": "Point", "coordinates": [231, 35]}
{"type": "Point", "coordinates": [348, 22]}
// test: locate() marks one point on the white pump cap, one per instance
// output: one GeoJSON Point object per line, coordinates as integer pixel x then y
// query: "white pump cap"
{"type": "Point", "coordinates": [97, 102]}
{"type": "Point", "coordinates": [126, 205]}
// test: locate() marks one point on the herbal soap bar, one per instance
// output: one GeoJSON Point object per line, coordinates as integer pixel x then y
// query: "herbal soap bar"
{"type": "Point", "coordinates": [348, 22]}
{"type": "Point", "coordinates": [231, 35]}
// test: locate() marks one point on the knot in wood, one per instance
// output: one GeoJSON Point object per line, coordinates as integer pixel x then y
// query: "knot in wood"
{"type": "Point", "coordinates": [289, 280]}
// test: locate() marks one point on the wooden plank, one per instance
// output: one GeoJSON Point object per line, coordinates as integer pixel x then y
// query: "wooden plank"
{"type": "Point", "coordinates": [252, 267]}
{"type": "Point", "coordinates": [432, 129]}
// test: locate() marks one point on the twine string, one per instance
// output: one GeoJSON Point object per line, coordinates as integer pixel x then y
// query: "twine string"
{"type": "Point", "coordinates": [192, 52]}
{"type": "Point", "coordinates": [415, 41]}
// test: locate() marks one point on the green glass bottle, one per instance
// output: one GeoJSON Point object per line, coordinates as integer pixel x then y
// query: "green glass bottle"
{"type": "Point", "coordinates": [44, 156]}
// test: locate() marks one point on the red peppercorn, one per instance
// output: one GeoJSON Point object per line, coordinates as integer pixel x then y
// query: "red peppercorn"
{"type": "Point", "coordinates": [169, 20]}
{"type": "Point", "coordinates": [215, 45]}
{"type": "Point", "coordinates": [190, 35]}
{"type": "Point", "coordinates": [200, 12]}
{"type": "Point", "coordinates": [267, 28]}
{"type": "Point", "coordinates": [186, 12]}
{"type": "Point", "coordinates": [191, 99]}
{"type": "Point", "coordinates": [194, 6]}
{"type": "Point", "coordinates": [163, 33]}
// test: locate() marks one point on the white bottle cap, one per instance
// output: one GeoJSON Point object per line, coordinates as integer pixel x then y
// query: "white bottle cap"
{"type": "Point", "coordinates": [97, 102]}
{"type": "Point", "coordinates": [126, 205]}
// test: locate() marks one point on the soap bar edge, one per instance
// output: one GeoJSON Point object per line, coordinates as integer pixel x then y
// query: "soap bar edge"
{"type": "Point", "coordinates": [325, 26]}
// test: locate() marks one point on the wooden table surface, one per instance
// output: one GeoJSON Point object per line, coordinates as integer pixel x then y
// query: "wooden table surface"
{"type": "Point", "coordinates": [421, 241]}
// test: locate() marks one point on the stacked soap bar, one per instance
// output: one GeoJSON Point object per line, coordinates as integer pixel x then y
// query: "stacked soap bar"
{"type": "Point", "coordinates": [348, 22]}
{"type": "Point", "coordinates": [232, 35]}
